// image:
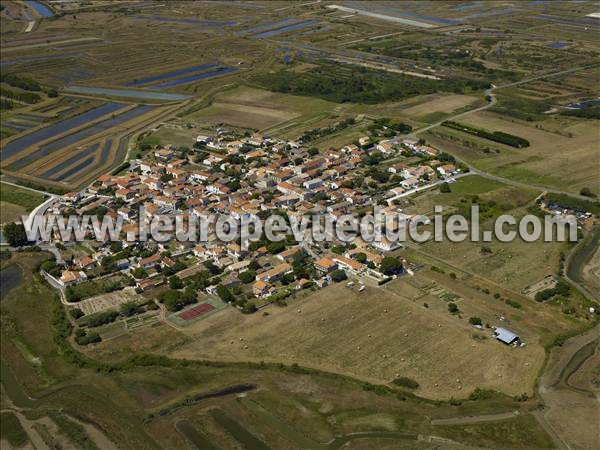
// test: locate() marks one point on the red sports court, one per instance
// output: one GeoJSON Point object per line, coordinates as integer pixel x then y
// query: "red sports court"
{"type": "Point", "coordinates": [196, 311]}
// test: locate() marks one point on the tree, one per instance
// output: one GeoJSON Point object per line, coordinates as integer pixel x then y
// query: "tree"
{"type": "Point", "coordinates": [249, 308]}
{"type": "Point", "coordinates": [406, 382]}
{"type": "Point", "coordinates": [212, 267]}
{"type": "Point", "coordinates": [71, 295]}
{"type": "Point", "coordinates": [15, 234]}
{"type": "Point", "coordinates": [360, 257]}
{"type": "Point", "coordinates": [338, 275]}
{"type": "Point", "coordinates": [76, 313]}
{"type": "Point", "coordinates": [276, 247]}
{"type": "Point", "coordinates": [313, 151]}
{"type": "Point", "coordinates": [175, 282]}
{"type": "Point", "coordinates": [390, 266]}
{"type": "Point", "coordinates": [247, 277]}
{"type": "Point", "coordinates": [475, 321]}
{"type": "Point", "coordinates": [128, 308]}
{"type": "Point", "coordinates": [452, 308]}
{"type": "Point", "coordinates": [445, 188]}
{"type": "Point", "coordinates": [225, 294]}
{"type": "Point", "coordinates": [585, 191]}
{"type": "Point", "coordinates": [139, 272]}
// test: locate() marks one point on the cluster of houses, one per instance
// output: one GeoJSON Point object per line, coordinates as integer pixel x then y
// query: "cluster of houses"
{"type": "Point", "coordinates": [241, 178]}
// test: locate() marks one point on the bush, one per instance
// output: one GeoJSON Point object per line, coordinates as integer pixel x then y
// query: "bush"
{"type": "Point", "coordinates": [76, 313]}
{"type": "Point", "coordinates": [406, 382]}
{"type": "Point", "coordinates": [175, 300]}
{"type": "Point", "coordinates": [83, 338]}
{"type": "Point", "coordinates": [475, 321]}
{"type": "Point", "coordinates": [101, 318]}
{"type": "Point", "coordinates": [175, 282]}
{"type": "Point", "coordinates": [544, 295]}
{"type": "Point", "coordinates": [26, 84]}
{"type": "Point", "coordinates": [496, 136]}
{"type": "Point", "coordinates": [26, 97]}
{"type": "Point", "coordinates": [513, 303]}
{"type": "Point", "coordinates": [247, 277]}
{"type": "Point", "coordinates": [276, 247]}
{"type": "Point", "coordinates": [139, 273]}
{"type": "Point", "coordinates": [586, 192]}
{"type": "Point", "coordinates": [391, 266]}
{"type": "Point", "coordinates": [225, 294]}
{"type": "Point", "coordinates": [338, 275]}
{"type": "Point", "coordinates": [481, 394]}
{"type": "Point", "coordinates": [15, 235]}
{"type": "Point", "coordinates": [249, 308]}
{"type": "Point", "coordinates": [128, 308]}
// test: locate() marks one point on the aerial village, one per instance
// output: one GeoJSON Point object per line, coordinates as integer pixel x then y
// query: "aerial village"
{"type": "Point", "coordinates": [237, 175]}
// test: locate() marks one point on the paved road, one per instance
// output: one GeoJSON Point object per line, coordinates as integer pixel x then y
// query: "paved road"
{"type": "Point", "coordinates": [429, 186]}
{"type": "Point", "coordinates": [40, 210]}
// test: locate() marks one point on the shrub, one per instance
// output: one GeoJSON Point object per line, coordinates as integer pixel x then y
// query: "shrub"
{"type": "Point", "coordinates": [513, 303]}
{"type": "Point", "coordinates": [391, 266]}
{"type": "Point", "coordinates": [338, 275]}
{"type": "Point", "coordinates": [128, 308]}
{"type": "Point", "coordinates": [481, 394]}
{"type": "Point", "coordinates": [247, 277]}
{"type": "Point", "coordinates": [452, 308]}
{"type": "Point", "coordinates": [175, 282]}
{"type": "Point", "coordinates": [406, 382]}
{"type": "Point", "coordinates": [475, 321]}
{"type": "Point", "coordinates": [101, 318]}
{"type": "Point", "coordinates": [83, 338]}
{"type": "Point", "coordinates": [76, 313]}
{"type": "Point", "coordinates": [496, 136]}
{"type": "Point", "coordinates": [249, 308]}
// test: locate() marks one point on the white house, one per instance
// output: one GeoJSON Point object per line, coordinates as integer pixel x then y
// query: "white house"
{"type": "Point", "coordinates": [410, 183]}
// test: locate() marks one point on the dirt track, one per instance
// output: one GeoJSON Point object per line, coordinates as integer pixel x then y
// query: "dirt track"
{"type": "Point", "coordinates": [570, 415]}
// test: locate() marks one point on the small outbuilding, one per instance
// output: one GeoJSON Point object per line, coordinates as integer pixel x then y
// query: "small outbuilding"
{"type": "Point", "coordinates": [506, 336]}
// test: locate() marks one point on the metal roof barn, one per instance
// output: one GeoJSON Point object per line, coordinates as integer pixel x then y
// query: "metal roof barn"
{"type": "Point", "coordinates": [506, 336]}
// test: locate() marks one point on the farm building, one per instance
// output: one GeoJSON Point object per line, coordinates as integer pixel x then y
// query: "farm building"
{"type": "Point", "coordinates": [506, 336]}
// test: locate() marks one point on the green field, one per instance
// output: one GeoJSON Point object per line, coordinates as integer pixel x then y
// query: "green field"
{"type": "Point", "coordinates": [15, 201]}
{"type": "Point", "coordinates": [12, 431]}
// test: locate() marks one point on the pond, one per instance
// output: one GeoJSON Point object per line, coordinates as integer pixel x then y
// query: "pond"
{"type": "Point", "coordinates": [20, 144]}
{"type": "Point", "coordinates": [285, 29]}
{"type": "Point", "coordinates": [195, 77]}
{"type": "Point", "coordinates": [126, 93]}
{"type": "Point", "coordinates": [80, 135]}
{"type": "Point", "coordinates": [42, 9]}
{"type": "Point", "coordinates": [171, 74]}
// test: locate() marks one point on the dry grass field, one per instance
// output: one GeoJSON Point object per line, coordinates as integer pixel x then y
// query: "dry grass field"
{"type": "Point", "coordinates": [513, 264]}
{"type": "Point", "coordinates": [438, 103]}
{"type": "Point", "coordinates": [248, 107]}
{"type": "Point", "coordinates": [10, 212]}
{"type": "Point", "coordinates": [376, 335]}
{"type": "Point", "coordinates": [14, 202]}
{"type": "Point", "coordinates": [562, 153]}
